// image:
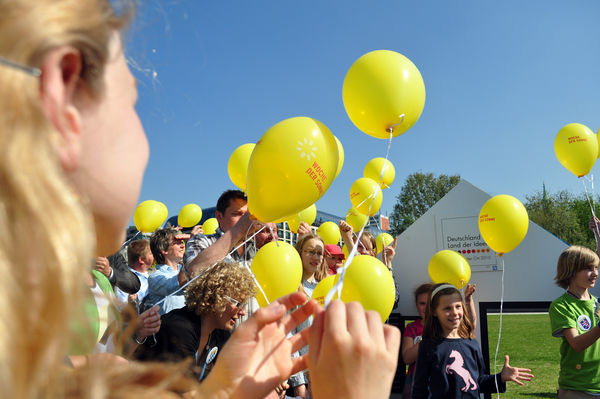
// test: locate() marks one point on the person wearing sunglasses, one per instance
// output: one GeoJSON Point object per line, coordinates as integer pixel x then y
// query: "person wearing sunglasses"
{"type": "Point", "coordinates": [214, 302]}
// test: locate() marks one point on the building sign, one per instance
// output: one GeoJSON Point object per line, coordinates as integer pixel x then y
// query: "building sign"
{"type": "Point", "coordinates": [461, 234]}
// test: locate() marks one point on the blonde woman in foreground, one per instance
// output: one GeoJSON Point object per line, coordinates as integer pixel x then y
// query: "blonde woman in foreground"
{"type": "Point", "coordinates": [71, 167]}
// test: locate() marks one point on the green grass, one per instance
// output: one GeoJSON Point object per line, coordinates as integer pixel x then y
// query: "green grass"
{"type": "Point", "coordinates": [528, 342]}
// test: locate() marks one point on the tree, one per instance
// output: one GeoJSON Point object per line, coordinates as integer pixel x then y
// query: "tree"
{"type": "Point", "coordinates": [419, 193]}
{"type": "Point", "coordinates": [563, 214]}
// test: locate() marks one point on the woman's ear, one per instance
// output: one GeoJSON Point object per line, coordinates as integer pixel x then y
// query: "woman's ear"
{"type": "Point", "coordinates": [58, 87]}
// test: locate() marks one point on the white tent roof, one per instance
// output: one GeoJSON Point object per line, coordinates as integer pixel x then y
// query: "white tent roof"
{"type": "Point", "coordinates": [452, 224]}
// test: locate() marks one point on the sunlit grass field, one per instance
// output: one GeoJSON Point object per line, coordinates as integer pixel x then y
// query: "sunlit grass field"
{"type": "Point", "coordinates": [528, 342]}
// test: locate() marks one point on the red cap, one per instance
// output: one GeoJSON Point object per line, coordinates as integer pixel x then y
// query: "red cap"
{"type": "Point", "coordinates": [334, 250]}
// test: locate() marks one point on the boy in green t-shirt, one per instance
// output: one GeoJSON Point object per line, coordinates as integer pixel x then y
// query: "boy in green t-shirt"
{"type": "Point", "coordinates": [574, 318]}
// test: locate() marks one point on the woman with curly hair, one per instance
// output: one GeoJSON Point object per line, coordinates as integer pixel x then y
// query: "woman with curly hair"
{"type": "Point", "coordinates": [213, 304]}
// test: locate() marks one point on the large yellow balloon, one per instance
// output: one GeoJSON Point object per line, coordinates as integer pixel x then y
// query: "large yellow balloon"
{"type": "Point", "coordinates": [278, 269]}
{"type": "Point", "coordinates": [329, 232]}
{"type": "Point", "coordinates": [503, 223]}
{"type": "Point", "coordinates": [375, 167]}
{"type": "Point", "coordinates": [383, 240]}
{"type": "Point", "coordinates": [237, 167]}
{"type": "Point", "coordinates": [291, 167]}
{"type": "Point", "coordinates": [598, 140]}
{"type": "Point", "coordinates": [383, 91]}
{"type": "Point", "coordinates": [366, 196]}
{"type": "Point", "coordinates": [189, 215]}
{"type": "Point", "coordinates": [450, 267]}
{"type": "Point", "coordinates": [323, 288]}
{"type": "Point", "coordinates": [307, 215]}
{"type": "Point", "coordinates": [356, 219]}
{"type": "Point", "coordinates": [576, 148]}
{"type": "Point", "coordinates": [210, 226]}
{"type": "Point", "coordinates": [340, 156]}
{"type": "Point", "coordinates": [369, 282]}
{"type": "Point", "coordinates": [150, 215]}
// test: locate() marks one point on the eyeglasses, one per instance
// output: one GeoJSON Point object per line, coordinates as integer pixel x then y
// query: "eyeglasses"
{"type": "Point", "coordinates": [313, 253]}
{"type": "Point", "coordinates": [35, 72]}
{"type": "Point", "coordinates": [234, 302]}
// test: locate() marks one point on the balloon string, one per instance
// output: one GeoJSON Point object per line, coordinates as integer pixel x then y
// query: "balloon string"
{"type": "Point", "coordinates": [339, 285]}
{"type": "Point", "coordinates": [591, 204]}
{"type": "Point", "coordinates": [499, 328]}
{"type": "Point", "coordinates": [390, 129]}
{"type": "Point", "coordinates": [211, 266]}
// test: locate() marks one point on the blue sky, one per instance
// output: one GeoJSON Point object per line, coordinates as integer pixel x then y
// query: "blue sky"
{"type": "Point", "coordinates": [501, 79]}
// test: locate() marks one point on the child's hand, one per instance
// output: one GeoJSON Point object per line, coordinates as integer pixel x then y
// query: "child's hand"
{"type": "Point", "coordinates": [515, 374]}
{"type": "Point", "coordinates": [469, 291]}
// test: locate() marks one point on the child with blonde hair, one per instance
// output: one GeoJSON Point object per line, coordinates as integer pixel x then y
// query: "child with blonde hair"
{"type": "Point", "coordinates": [574, 319]}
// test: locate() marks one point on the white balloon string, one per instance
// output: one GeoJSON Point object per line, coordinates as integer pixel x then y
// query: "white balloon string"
{"type": "Point", "coordinates": [499, 327]}
{"type": "Point", "coordinates": [211, 266]}
{"type": "Point", "coordinates": [591, 204]}
{"type": "Point", "coordinates": [339, 285]}
{"type": "Point", "coordinates": [131, 239]}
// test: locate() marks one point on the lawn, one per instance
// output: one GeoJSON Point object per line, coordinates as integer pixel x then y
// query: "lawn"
{"type": "Point", "coordinates": [528, 342]}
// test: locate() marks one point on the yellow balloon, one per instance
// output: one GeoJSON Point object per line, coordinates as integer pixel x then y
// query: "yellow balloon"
{"type": "Point", "coordinates": [576, 148]}
{"type": "Point", "coordinates": [189, 215]}
{"type": "Point", "coordinates": [340, 156]}
{"type": "Point", "coordinates": [307, 215]}
{"type": "Point", "coordinates": [345, 252]}
{"type": "Point", "coordinates": [150, 215]}
{"type": "Point", "coordinates": [356, 219]}
{"type": "Point", "coordinates": [375, 167]}
{"type": "Point", "coordinates": [366, 196]}
{"type": "Point", "coordinates": [291, 167]}
{"type": "Point", "coordinates": [503, 223]}
{"type": "Point", "coordinates": [278, 269]}
{"type": "Point", "coordinates": [383, 90]}
{"type": "Point", "coordinates": [369, 282]}
{"type": "Point", "coordinates": [329, 232]}
{"type": "Point", "coordinates": [210, 226]}
{"type": "Point", "coordinates": [450, 267]}
{"type": "Point", "coordinates": [237, 167]}
{"type": "Point", "coordinates": [323, 288]}
{"type": "Point", "coordinates": [383, 240]}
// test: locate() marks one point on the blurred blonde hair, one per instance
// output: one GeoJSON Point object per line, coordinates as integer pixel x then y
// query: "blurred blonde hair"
{"type": "Point", "coordinates": [47, 235]}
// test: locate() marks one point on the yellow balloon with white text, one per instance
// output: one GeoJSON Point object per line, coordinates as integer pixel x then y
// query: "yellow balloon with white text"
{"type": "Point", "coordinates": [383, 92]}
{"type": "Point", "coordinates": [278, 269]}
{"type": "Point", "coordinates": [329, 232]}
{"type": "Point", "coordinates": [210, 226]}
{"type": "Point", "coordinates": [503, 223]}
{"type": "Point", "coordinates": [576, 148]}
{"type": "Point", "coordinates": [307, 215]}
{"type": "Point", "coordinates": [381, 171]}
{"type": "Point", "coordinates": [291, 167]}
{"type": "Point", "coordinates": [369, 282]}
{"type": "Point", "coordinates": [237, 167]}
{"type": "Point", "coordinates": [448, 266]}
{"type": "Point", "coordinates": [366, 196]}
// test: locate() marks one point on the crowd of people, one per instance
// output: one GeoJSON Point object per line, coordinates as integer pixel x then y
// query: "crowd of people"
{"type": "Point", "coordinates": [73, 157]}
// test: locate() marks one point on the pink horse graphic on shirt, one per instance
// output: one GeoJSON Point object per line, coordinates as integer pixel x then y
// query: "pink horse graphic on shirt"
{"type": "Point", "coordinates": [457, 367]}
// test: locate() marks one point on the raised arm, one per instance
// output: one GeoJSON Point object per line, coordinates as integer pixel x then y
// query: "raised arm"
{"type": "Point", "coordinates": [204, 256]}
